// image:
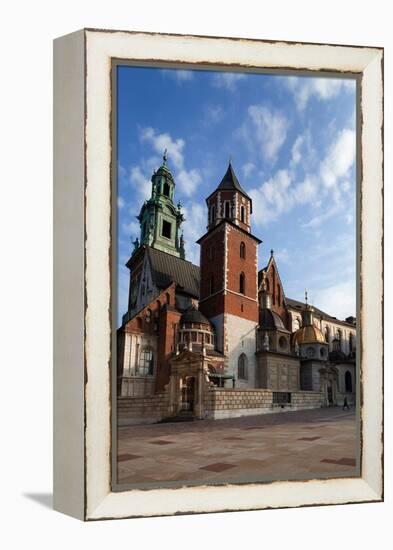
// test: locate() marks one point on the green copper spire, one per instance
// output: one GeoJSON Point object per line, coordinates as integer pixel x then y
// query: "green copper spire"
{"type": "Point", "coordinates": [159, 218]}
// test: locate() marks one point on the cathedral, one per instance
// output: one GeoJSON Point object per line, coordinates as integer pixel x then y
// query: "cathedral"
{"type": "Point", "coordinates": [221, 339]}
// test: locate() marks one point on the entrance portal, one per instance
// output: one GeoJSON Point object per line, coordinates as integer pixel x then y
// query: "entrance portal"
{"type": "Point", "coordinates": [188, 393]}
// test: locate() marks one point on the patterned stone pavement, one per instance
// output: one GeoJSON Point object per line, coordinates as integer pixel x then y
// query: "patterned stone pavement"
{"type": "Point", "coordinates": [290, 445]}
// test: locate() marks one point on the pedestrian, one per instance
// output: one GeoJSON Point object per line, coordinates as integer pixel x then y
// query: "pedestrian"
{"type": "Point", "coordinates": [345, 406]}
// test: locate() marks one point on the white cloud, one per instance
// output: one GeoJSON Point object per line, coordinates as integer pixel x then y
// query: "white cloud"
{"type": "Point", "coordinates": [131, 229]}
{"type": "Point", "coordinates": [227, 80]}
{"type": "Point", "coordinates": [296, 150]}
{"type": "Point", "coordinates": [188, 181]}
{"type": "Point", "coordinates": [338, 300]}
{"type": "Point", "coordinates": [120, 202]}
{"type": "Point", "coordinates": [160, 142]}
{"type": "Point", "coordinates": [323, 88]}
{"type": "Point", "coordinates": [282, 256]}
{"type": "Point", "coordinates": [139, 182]}
{"type": "Point", "coordinates": [179, 75]}
{"type": "Point", "coordinates": [213, 113]}
{"type": "Point", "coordinates": [339, 160]}
{"type": "Point", "coordinates": [196, 219]}
{"type": "Point", "coordinates": [269, 129]}
{"type": "Point", "coordinates": [248, 168]}
{"type": "Point", "coordinates": [321, 188]}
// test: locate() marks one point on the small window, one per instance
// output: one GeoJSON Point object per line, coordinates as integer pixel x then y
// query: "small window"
{"type": "Point", "coordinates": [213, 213]}
{"type": "Point", "coordinates": [166, 190]}
{"type": "Point", "coordinates": [351, 342]}
{"type": "Point", "coordinates": [242, 283]}
{"type": "Point", "coordinates": [146, 366]}
{"type": "Point", "coordinates": [148, 316]}
{"type": "Point", "coordinates": [327, 334]}
{"type": "Point", "coordinates": [242, 373]}
{"type": "Point", "coordinates": [242, 250]}
{"type": "Point", "coordinates": [282, 342]}
{"type": "Point", "coordinates": [166, 229]}
{"type": "Point", "coordinates": [226, 209]}
{"type": "Point", "coordinates": [194, 336]}
{"type": "Point", "coordinates": [242, 214]}
{"type": "Point", "coordinates": [279, 295]}
{"type": "Point", "coordinates": [310, 352]}
{"type": "Point", "coordinates": [168, 298]}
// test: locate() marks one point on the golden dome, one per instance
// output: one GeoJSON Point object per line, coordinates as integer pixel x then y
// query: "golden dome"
{"type": "Point", "coordinates": [309, 334]}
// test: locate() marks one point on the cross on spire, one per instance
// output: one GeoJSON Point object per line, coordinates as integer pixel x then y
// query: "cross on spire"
{"type": "Point", "coordinates": [165, 156]}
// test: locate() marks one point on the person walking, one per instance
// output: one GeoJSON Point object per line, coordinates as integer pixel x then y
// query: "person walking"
{"type": "Point", "coordinates": [345, 406]}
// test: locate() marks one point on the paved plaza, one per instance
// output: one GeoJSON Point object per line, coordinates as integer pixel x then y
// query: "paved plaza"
{"type": "Point", "coordinates": [290, 445]}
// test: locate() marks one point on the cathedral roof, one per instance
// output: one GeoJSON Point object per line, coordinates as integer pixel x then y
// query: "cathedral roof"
{"type": "Point", "coordinates": [270, 320]}
{"type": "Point", "coordinates": [309, 334]}
{"type": "Point", "coordinates": [193, 315]}
{"type": "Point", "coordinates": [230, 182]}
{"type": "Point", "coordinates": [166, 268]}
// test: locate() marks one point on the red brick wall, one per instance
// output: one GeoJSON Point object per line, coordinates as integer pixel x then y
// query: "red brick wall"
{"type": "Point", "coordinates": [212, 264]}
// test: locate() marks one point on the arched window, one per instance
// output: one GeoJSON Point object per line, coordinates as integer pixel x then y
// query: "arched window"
{"type": "Point", "coordinates": [327, 334]}
{"type": "Point", "coordinates": [278, 295]}
{"type": "Point", "coordinates": [146, 365]}
{"type": "Point", "coordinates": [158, 304]}
{"type": "Point", "coordinates": [211, 284]}
{"type": "Point", "coordinates": [242, 250]}
{"type": "Point", "coordinates": [296, 324]}
{"type": "Point", "coordinates": [351, 342]}
{"type": "Point", "coordinates": [348, 382]}
{"type": "Point", "coordinates": [148, 315]}
{"type": "Point", "coordinates": [242, 283]}
{"type": "Point", "coordinates": [242, 214]}
{"type": "Point", "coordinates": [213, 213]}
{"type": "Point", "coordinates": [227, 209]}
{"type": "Point", "coordinates": [168, 298]}
{"type": "Point", "coordinates": [139, 323]}
{"type": "Point", "coordinates": [339, 338]}
{"type": "Point", "coordinates": [166, 189]}
{"type": "Point", "coordinates": [242, 370]}
{"type": "Point", "coordinates": [267, 285]}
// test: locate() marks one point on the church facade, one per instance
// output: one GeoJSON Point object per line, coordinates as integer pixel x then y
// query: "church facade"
{"type": "Point", "coordinates": [221, 339]}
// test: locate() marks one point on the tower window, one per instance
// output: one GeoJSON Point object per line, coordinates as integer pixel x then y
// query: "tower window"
{"type": "Point", "coordinates": [213, 213]}
{"type": "Point", "coordinates": [227, 209]}
{"type": "Point", "coordinates": [166, 190]}
{"type": "Point", "coordinates": [279, 295]}
{"type": "Point", "coordinates": [242, 214]}
{"type": "Point", "coordinates": [242, 250]}
{"type": "Point", "coordinates": [211, 285]}
{"type": "Point", "coordinates": [242, 367]}
{"type": "Point", "coordinates": [242, 283]}
{"type": "Point", "coordinates": [166, 229]}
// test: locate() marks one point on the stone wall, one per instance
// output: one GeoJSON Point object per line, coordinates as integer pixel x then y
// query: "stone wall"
{"type": "Point", "coordinates": [219, 403]}
{"type": "Point", "coordinates": [142, 410]}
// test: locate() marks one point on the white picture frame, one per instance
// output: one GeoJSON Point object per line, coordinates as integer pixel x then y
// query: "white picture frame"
{"type": "Point", "coordinates": [82, 246]}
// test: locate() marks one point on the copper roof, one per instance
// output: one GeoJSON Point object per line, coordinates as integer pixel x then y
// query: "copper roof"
{"type": "Point", "coordinates": [309, 334]}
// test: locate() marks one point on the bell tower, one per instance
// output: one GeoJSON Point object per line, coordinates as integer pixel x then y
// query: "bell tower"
{"type": "Point", "coordinates": [229, 267]}
{"type": "Point", "coordinates": [159, 218]}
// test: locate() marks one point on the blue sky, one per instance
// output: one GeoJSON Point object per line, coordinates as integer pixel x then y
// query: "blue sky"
{"type": "Point", "coordinates": [293, 147]}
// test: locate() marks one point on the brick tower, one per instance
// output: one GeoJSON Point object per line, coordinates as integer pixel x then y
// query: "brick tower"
{"type": "Point", "coordinates": [229, 277]}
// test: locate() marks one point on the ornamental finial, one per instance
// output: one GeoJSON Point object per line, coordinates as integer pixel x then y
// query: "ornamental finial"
{"type": "Point", "coordinates": [165, 156]}
{"type": "Point", "coordinates": [306, 297]}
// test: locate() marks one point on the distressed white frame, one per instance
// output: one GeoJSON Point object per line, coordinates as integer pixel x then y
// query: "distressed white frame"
{"type": "Point", "coordinates": [82, 412]}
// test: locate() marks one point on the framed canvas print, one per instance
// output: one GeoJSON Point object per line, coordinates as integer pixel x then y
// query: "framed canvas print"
{"type": "Point", "coordinates": [218, 274]}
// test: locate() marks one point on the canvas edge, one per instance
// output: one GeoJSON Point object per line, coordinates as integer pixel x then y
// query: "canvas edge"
{"type": "Point", "coordinates": [101, 502]}
{"type": "Point", "coordinates": [68, 272]}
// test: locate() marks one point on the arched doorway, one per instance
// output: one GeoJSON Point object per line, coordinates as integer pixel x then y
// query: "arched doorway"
{"type": "Point", "coordinates": [188, 393]}
{"type": "Point", "coordinates": [348, 382]}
